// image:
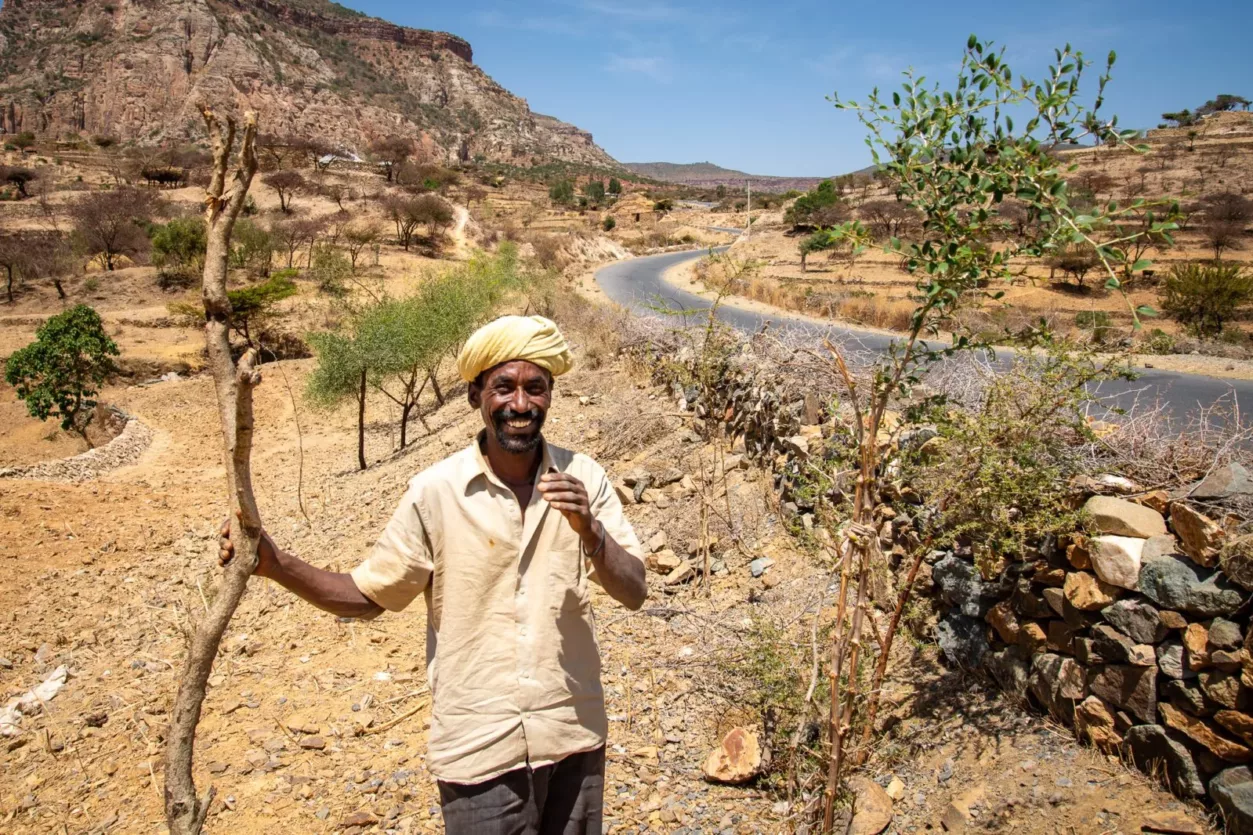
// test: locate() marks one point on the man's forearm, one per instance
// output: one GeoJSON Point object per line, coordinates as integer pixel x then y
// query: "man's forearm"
{"type": "Point", "coordinates": [621, 575]}
{"type": "Point", "coordinates": [328, 590]}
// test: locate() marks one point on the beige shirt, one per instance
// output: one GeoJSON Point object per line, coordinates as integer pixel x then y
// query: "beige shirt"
{"type": "Point", "coordinates": [511, 652]}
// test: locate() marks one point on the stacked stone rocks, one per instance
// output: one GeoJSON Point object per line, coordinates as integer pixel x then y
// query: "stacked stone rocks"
{"type": "Point", "coordinates": [1129, 631]}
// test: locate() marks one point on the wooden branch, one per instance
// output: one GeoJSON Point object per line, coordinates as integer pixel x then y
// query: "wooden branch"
{"type": "Point", "coordinates": [185, 812]}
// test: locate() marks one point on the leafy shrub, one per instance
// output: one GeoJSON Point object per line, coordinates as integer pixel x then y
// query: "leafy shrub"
{"type": "Point", "coordinates": [252, 248]}
{"type": "Point", "coordinates": [330, 269]}
{"type": "Point", "coordinates": [561, 192]}
{"type": "Point", "coordinates": [804, 212]}
{"type": "Point", "coordinates": [1098, 322]}
{"type": "Point", "coordinates": [178, 249]}
{"type": "Point", "coordinates": [1204, 296]}
{"type": "Point", "coordinates": [608, 224]}
{"type": "Point", "coordinates": [1159, 342]}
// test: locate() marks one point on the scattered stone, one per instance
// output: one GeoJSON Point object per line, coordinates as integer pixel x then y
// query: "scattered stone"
{"type": "Point", "coordinates": [1138, 619]}
{"type": "Point", "coordinates": [360, 819]}
{"type": "Point", "coordinates": [1225, 482]}
{"type": "Point", "coordinates": [1011, 667]}
{"type": "Point", "coordinates": [657, 541]}
{"type": "Point", "coordinates": [1055, 597]}
{"type": "Point", "coordinates": [625, 494]}
{"type": "Point", "coordinates": [1232, 791]}
{"type": "Point", "coordinates": [1175, 583]}
{"type": "Point", "coordinates": [663, 562]}
{"type": "Point", "coordinates": [1159, 500]}
{"type": "Point", "coordinates": [1087, 593]}
{"type": "Point", "coordinates": [1170, 659]}
{"type": "Point", "coordinates": [895, 789]}
{"type": "Point", "coordinates": [1196, 642]}
{"type": "Point", "coordinates": [1172, 620]}
{"type": "Point", "coordinates": [1151, 749]}
{"type": "Point", "coordinates": [1240, 724]}
{"type": "Point", "coordinates": [312, 743]}
{"type": "Point", "coordinates": [1033, 638]}
{"type": "Point", "coordinates": [1057, 683]}
{"type": "Point", "coordinates": [1200, 536]}
{"type": "Point", "coordinates": [962, 639]}
{"type": "Point", "coordinates": [1119, 517]}
{"type": "Point", "coordinates": [1171, 823]}
{"type": "Point", "coordinates": [1117, 648]}
{"type": "Point", "coordinates": [758, 566]}
{"type": "Point", "coordinates": [1129, 687]}
{"type": "Point", "coordinates": [1223, 634]}
{"type": "Point", "coordinates": [736, 760]}
{"type": "Point", "coordinates": [1004, 621]}
{"type": "Point", "coordinates": [1078, 554]}
{"type": "Point", "coordinates": [1187, 696]}
{"type": "Point", "coordinates": [668, 477]}
{"type": "Point", "coordinates": [1203, 735]}
{"type": "Point", "coordinates": [1224, 689]}
{"type": "Point", "coordinates": [872, 809]}
{"type": "Point", "coordinates": [681, 574]}
{"type": "Point", "coordinates": [1095, 722]}
{"type": "Point", "coordinates": [1116, 559]}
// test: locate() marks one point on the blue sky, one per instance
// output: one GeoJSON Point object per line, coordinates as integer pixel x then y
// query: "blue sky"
{"type": "Point", "coordinates": [743, 83]}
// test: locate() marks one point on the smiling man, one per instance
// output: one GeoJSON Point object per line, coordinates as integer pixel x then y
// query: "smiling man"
{"type": "Point", "coordinates": [501, 540]}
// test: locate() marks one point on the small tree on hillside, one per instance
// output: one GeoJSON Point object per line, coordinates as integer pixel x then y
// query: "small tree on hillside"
{"type": "Point", "coordinates": [178, 249]}
{"type": "Point", "coordinates": [595, 192]}
{"type": "Point", "coordinates": [24, 140]}
{"type": "Point", "coordinates": [615, 187]}
{"type": "Point", "coordinates": [801, 214]}
{"type": "Point", "coordinates": [60, 373]}
{"type": "Point", "coordinates": [19, 178]}
{"type": "Point", "coordinates": [561, 192]}
{"type": "Point", "coordinates": [285, 185]}
{"type": "Point", "coordinates": [109, 224]}
{"type": "Point", "coordinates": [359, 237]}
{"type": "Point", "coordinates": [292, 234]}
{"type": "Point", "coordinates": [252, 248]}
{"type": "Point", "coordinates": [341, 373]}
{"type": "Point", "coordinates": [30, 257]}
{"type": "Point", "coordinates": [1075, 261]}
{"type": "Point", "coordinates": [1222, 102]}
{"type": "Point", "coordinates": [391, 153]}
{"type": "Point", "coordinates": [1204, 296]}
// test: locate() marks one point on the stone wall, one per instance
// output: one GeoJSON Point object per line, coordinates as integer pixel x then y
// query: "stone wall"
{"type": "Point", "coordinates": [1133, 631]}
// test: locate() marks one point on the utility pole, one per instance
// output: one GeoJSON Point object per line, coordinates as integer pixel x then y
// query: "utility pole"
{"type": "Point", "coordinates": [748, 217]}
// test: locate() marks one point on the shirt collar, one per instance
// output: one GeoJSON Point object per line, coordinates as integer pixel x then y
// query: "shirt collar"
{"type": "Point", "coordinates": [481, 467]}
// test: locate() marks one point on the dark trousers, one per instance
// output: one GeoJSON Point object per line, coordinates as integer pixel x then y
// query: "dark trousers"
{"type": "Point", "coordinates": [566, 798]}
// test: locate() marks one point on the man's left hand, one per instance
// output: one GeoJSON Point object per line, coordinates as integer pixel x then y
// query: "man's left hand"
{"type": "Point", "coordinates": [568, 495]}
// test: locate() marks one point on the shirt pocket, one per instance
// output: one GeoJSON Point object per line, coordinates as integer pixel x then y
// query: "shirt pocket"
{"type": "Point", "coordinates": [567, 579]}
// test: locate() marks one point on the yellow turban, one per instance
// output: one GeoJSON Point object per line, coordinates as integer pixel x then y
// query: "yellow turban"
{"type": "Point", "coordinates": [531, 338]}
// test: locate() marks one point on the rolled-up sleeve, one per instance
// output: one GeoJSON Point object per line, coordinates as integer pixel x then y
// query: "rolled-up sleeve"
{"type": "Point", "coordinates": [400, 564]}
{"type": "Point", "coordinates": [607, 509]}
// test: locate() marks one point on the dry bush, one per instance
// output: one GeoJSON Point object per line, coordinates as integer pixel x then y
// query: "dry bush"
{"type": "Point", "coordinates": [548, 251]}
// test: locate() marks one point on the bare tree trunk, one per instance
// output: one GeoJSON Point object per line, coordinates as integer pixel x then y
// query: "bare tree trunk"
{"type": "Point", "coordinates": [361, 423]}
{"type": "Point", "coordinates": [439, 395]}
{"type": "Point", "coordinates": [185, 812]}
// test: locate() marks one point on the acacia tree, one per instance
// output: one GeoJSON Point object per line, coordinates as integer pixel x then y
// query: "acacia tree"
{"type": "Point", "coordinates": [392, 152]}
{"type": "Point", "coordinates": [29, 257]}
{"type": "Point", "coordinates": [185, 812]}
{"type": "Point", "coordinates": [60, 373]}
{"type": "Point", "coordinates": [342, 372]}
{"type": "Point", "coordinates": [358, 237]}
{"type": "Point", "coordinates": [19, 178]}
{"type": "Point", "coordinates": [952, 156]}
{"type": "Point", "coordinates": [285, 185]}
{"type": "Point", "coordinates": [107, 223]}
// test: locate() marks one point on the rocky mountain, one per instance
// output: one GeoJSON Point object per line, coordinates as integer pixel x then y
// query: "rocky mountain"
{"type": "Point", "coordinates": [136, 69]}
{"type": "Point", "coordinates": [709, 174]}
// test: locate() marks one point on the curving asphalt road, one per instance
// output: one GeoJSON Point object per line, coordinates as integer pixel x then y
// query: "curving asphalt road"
{"type": "Point", "coordinates": [637, 284]}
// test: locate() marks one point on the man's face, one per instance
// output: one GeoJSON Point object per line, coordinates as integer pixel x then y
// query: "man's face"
{"type": "Point", "coordinates": [513, 398]}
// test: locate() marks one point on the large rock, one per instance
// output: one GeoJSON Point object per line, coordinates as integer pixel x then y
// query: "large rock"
{"type": "Point", "coordinates": [1116, 560]}
{"type": "Point", "coordinates": [1236, 722]}
{"type": "Point", "coordinates": [1175, 583]}
{"type": "Point", "coordinates": [1011, 667]}
{"type": "Point", "coordinates": [1129, 687]}
{"type": "Point", "coordinates": [1196, 644]}
{"type": "Point", "coordinates": [1225, 482]}
{"type": "Point", "coordinates": [736, 760]}
{"type": "Point", "coordinates": [1232, 791]}
{"type": "Point", "coordinates": [1225, 634]}
{"type": "Point", "coordinates": [1152, 751]}
{"type": "Point", "coordinates": [962, 639]}
{"type": "Point", "coordinates": [1117, 648]}
{"type": "Point", "coordinates": [872, 810]}
{"type": "Point", "coordinates": [1094, 721]}
{"type": "Point", "coordinates": [1108, 515]}
{"type": "Point", "coordinates": [1088, 593]}
{"type": "Point", "coordinates": [1200, 536]}
{"type": "Point", "coordinates": [1170, 660]}
{"type": "Point", "coordinates": [1202, 734]}
{"type": "Point", "coordinates": [1005, 621]}
{"type": "Point", "coordinates": [1224, 689]}
{"type": "Point", "coordinates": [1029, 604]}
{"type": "Point", "coordinates": [1136, 618]}
{"type": "Point", "coordinates": [1058, 683]}
{"type": "Point", "coordinates": [964, 589]}
{"type": "Point", "coordinates": [1188, 697]}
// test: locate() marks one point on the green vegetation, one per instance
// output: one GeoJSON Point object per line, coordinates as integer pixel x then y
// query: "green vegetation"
{"type": "Point", "coordinates": [1204, 296]}
{"type": "Point", "coordinates": [608, 224]}
{"type": "Point", "coordinates": [561, 192]}
{"type": "Point", "coordinates": [252, 248]}
{"type": "Point", "coordinates": [820, 207]}
{"type": "Point", "coordinates": [615, 187]}
{"type": "Point", "coordinates": [60, 373]}
{"type": "Point", "coordinates": [178, 249]}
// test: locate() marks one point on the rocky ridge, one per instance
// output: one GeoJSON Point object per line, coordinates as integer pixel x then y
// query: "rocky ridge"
{"type": "Point", "coordinates": [136, 70]}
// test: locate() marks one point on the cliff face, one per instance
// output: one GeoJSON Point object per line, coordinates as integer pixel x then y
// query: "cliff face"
{"type": "Point", "coordinates": [136, 69]}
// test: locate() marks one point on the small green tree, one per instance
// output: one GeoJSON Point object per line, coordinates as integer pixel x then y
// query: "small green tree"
{"type": "Point", "coordinates": [615, 187]}
{"type": "Point", "coordinates": [1203, 296]}
{"type": "Point", "coordinates": [60, 373]}
{"type": "Point", "coordinates": [252, 248]}
{"type": "Point", "coordinates": [595, 191]}
{"type": "Point", "coordinates": [24, 140]}
{"type": "Point", "coordinates": [330, 269]}
{"type": "Point", "coordinates": [341, 373]}
{"type": "Point", "coordinates": [561, 192]}
{"type": "Point", "coordinates": [608, 223]}
{"type": "Point", "coordinates": [1182, 118]}
{"type": "Point", "coordinates": [801, 213]}
{"type": "Point", "coordinates": [178, 249]}
{"type": "Point", "coordinates": [285, 185]}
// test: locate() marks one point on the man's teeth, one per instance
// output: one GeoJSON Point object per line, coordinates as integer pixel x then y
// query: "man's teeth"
{"type": "Point", "coordinates": [519, 423]}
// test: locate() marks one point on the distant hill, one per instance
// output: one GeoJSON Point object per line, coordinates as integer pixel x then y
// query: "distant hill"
{"type": "Point", "coordinates": [708, 174]}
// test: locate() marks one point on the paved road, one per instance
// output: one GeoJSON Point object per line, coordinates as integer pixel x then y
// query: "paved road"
{"type": "Point", "coordinates": [637, 284]}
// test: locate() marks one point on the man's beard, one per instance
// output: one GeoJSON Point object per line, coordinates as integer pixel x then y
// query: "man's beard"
{"type": "Point", "coordinates": [517, 444]}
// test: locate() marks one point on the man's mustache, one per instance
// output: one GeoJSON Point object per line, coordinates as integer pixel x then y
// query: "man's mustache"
{"type": "Point", "coordinates": [507, 414]}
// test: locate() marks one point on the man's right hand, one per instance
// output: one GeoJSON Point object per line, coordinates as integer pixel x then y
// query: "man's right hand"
{"type": "Point", "coordinates": [267, 551]}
